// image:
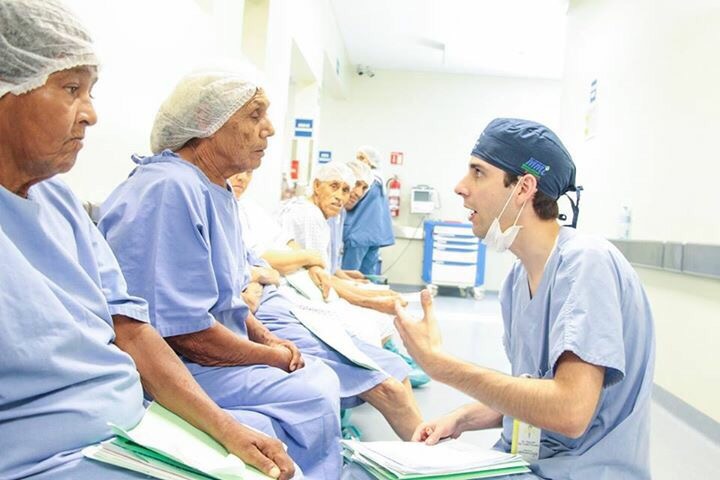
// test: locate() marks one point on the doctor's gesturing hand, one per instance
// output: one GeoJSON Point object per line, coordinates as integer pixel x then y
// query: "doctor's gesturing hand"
{"type": "Point", "coordinates": [421, 338]}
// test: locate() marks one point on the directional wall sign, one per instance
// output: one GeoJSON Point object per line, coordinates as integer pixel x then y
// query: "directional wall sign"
{"type": "Point", "coordinates": [324, 156]}
{"type": "Point", "coordinates": [303, 127]}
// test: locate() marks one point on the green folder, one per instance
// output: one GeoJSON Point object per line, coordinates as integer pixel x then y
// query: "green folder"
{"type": "Point", "coordinates": [165, 446]}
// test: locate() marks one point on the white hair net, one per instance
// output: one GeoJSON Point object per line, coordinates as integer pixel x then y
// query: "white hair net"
{"type": "Point", "coordinates": [200, 104]}
{"type": "Point", "coordinates": [362, 171]}
{"type": "Point", "coordinates": [37, 39]}
{"type": "Point", "coordinates": [372, 155]}
{"type": "Point", "coordinates": [333, 171]}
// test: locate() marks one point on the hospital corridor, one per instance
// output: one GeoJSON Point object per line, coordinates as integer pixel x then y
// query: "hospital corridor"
{"type": "Point", "coordinates": [472, 328]}
{"type": "Point", "coordinates": [359, 240]}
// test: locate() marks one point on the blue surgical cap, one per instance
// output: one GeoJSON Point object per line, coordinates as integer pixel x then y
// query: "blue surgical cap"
{"type": "Point", "coordinates": [521, 147]}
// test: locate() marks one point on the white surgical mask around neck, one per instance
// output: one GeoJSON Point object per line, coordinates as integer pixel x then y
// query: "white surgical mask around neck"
{"type": "Point", "coordinates": [495, 238]}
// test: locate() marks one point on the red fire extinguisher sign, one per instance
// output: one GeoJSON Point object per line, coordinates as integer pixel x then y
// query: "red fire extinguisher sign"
{"type": "Point", "coordinates": [396, 158]}
{"type": "Point", "coordinates": [394, 195]}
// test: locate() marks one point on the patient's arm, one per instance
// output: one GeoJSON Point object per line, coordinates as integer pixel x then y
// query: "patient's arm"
{"type": "Point", "coordinates": [165, 377]}
{"type": "Point", "coordinates": [289, 261]}
{"type": "Point", "coordinates": [382, 300]}
{"type": "Point", "coordinates": [264, 275]}
{"type": "Point", "coordinates": [353, 275]}
{"type": "Point", "coordinates": [218, 346]}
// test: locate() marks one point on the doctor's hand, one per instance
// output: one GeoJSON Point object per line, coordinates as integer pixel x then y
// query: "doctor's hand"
{"type": "Point", "coordinates": [421, 338]}
{"type": "Point", "coordinates": [252, 296]}
{"type": "Point", "coordinates": [433, 431]}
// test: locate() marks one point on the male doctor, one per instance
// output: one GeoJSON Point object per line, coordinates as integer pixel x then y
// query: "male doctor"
{"type": "Point", "coordinates": [578, 328]}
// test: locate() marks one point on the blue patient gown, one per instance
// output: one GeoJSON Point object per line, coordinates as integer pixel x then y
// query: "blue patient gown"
{"type": "Point", "coordinates": [61, 376]}
{"type": "Point", "coordinates": [275, 313]}
{"type": "Point", "coordinates": [176, 237]}
{"type": "Point", "coordinates": [589, 302]}
{"type": "Point", "coordinates": [367, 227]}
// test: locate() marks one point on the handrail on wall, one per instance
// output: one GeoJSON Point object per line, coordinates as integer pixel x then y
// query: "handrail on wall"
{"type": "Point", "coordinates": [689, 258]}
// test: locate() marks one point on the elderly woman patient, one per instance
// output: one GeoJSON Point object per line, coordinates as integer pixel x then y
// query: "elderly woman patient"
{"type": "Point", "coordinates": [173, 226]}
{"type": "Point", "coordinates": [74, 344]}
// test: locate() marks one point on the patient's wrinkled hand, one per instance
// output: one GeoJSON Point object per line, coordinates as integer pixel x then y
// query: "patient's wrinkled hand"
{"type": "Point", "coordinates": [264, 453]}
{"type": "Point", "coordinates": [267, 276]}
{"type": "Point", "coordinates": [252, 296]}
{"type": "Point", "coordinates": [321, 278]}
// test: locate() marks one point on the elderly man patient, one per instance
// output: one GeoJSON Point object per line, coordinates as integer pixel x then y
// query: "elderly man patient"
{"type": "Point", "coordinates": [72, 340]}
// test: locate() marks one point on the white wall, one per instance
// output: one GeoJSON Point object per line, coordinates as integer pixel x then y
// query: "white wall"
{"type": "Point", "coordinates": [659, 113]}
{"type": "Point", "coordinates": [145, 47]}
{"type": "Point", "coordinates": [655, 150]}
{"type": "Point", "coordinates": [309, 27]}
{"type": "Point", "coordinates": [434, 119]}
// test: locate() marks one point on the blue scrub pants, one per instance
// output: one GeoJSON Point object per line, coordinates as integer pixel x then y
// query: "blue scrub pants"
{"type": "Point", "coordinates": [303, 406]}
{"type": "Point", "coordinates": [365, 259]}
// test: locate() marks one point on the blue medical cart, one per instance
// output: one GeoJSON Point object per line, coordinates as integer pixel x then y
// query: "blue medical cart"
{"type": "Point", "coordinates": [453, 256]}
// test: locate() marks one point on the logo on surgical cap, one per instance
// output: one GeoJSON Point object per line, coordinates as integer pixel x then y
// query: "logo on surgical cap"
{"type": "Point", "coordinates": [535, 167]}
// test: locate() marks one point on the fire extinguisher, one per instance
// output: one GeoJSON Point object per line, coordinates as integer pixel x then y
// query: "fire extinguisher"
{"type": "Point", "coordinates": [393, 186]}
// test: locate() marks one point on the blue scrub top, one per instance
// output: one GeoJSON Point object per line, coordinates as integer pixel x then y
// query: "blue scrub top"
{"type": "Point", "coordinates": [336, 240]}
{"type": "Point", "coordinates": [590, 302]}
{"type": "Point", "coordinates": [178, 240]}
{"type": "Point", "coordinates": [62, 376]}
{"type": "Point", "coordinates": [369, 223]}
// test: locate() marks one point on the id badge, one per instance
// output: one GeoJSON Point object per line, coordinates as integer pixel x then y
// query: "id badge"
{"type": "Point", "coordinates": [525, 441]}
{"type": "Point", "coordinates": [525, 438]}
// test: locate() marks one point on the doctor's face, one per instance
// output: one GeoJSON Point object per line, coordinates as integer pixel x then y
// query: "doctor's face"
{"type": "Point", "coordinates": [241, 142]}
{"type": "Point", "coordinates": [330, 196]}
{"type": "Point", "coordinates": [356, 194]}
{"type": "Point", "coordinates": [43, 129]}
{"type": "Point", "coordinates": [484, 192]}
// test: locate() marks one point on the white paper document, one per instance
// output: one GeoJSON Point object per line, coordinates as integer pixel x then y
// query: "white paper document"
{"type": "Point", "coordinates": [326, 324]}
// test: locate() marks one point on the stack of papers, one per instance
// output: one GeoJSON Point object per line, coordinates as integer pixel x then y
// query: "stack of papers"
{"type": "Point", "coordinates": [165, 446]}
{"type": "Point", "coordinates": [451, 459]}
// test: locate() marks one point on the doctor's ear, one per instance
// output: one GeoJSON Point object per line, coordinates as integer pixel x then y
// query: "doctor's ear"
{"type": "Point", "coordinates": [527, 187]}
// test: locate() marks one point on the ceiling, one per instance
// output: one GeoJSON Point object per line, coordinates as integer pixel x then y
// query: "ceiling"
{"type": "Point", "coordinates": [523, 38]}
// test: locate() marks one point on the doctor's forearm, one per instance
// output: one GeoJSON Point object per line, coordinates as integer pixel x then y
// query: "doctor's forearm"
{"type": "Point", "coordinates": [478, 416]}
{"type": "Point", "coordinates": [564, 405]}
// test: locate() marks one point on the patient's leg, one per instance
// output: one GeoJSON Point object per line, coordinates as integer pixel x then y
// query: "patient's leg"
{"type": "Point", "coordinates": [396, 402]}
